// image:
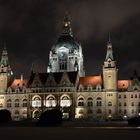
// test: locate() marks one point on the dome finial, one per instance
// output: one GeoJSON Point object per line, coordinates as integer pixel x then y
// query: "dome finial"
{"type": "Point", "coordinates": [66, 25]}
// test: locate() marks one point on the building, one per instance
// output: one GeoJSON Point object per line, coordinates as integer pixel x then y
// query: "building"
{"type": "Point", "coordinates": [65, 86]}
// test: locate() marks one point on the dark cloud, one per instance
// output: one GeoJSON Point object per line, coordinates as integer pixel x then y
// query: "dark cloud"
{"type": "Point", "coordinates": [30, 28]}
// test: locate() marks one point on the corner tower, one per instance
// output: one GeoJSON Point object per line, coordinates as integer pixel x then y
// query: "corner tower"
{"type": "Point", "coordinates": [66, 53]}
{"type": "Point", "coordinates": [110, 83]}
{"type": "Point", "coordinates": [109, 70]}
{"type": "Point", "coordinates": [5, 70]}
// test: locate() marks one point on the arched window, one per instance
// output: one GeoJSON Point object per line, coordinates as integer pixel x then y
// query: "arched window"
{"type": "Point", "coordinates": [9, 103]}
{"type": "Point", "coordinates": [109, 103]}
{"type": "Point", "coordinates": [36, 101]}
{"type": "Point", "coordinates": [89, 102]}
{"type": "Point", "coordinates": [24, 103]}
{"type": "Point", "coordinates": [99, 101]}
{"type": "Point", "coordinates": [17, 103]}
{"type": "Point", "coordinates": [36, 114]}
{"type": "Point", "coordinates": [51, 101]}
{"type": "Point", "coordinates": [65, 101]}
{"type": "Point", "coordinates": [62, 60]}
{"type": "Point", "coordinates": [81, 101]}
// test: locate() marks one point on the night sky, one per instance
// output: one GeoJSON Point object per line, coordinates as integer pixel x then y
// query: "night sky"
{"type": "Point", "coordinates": [30, 28]}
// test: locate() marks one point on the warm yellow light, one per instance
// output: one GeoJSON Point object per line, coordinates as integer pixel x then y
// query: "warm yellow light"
{"type": "Point", "coordinates": [66, 24]}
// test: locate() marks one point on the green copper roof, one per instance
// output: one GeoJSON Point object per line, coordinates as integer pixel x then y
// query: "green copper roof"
{"type": "Point", "coordinates": [66, 41]}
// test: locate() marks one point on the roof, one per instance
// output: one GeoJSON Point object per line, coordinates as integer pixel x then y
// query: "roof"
{"type": "Point", "coordinates": [66, 41]}
{"type": "Point", "coordinates": [90, 81]}
{"type": "Point", "coordinates": [57, 77]}
{"type": "Point", "coordinates": [124, 84]}
{"type": "Point", "coordinates": [19, 83]}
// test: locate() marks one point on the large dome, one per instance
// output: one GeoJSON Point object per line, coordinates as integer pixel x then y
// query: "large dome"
{"type": "Point", "coordinates": [66, 41]}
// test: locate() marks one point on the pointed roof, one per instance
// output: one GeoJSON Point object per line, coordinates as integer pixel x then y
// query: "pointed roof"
{"type": "Point", "coordinates": [109, 54]}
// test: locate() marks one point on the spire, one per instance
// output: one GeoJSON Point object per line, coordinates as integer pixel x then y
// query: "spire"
{"type": "Point", "coordinates": [135, 74]}
{"type": "Point", "coordinates": [4, 57]}
{"type": "Point", "coordinates": [21, 77]}
{"type": "Point", "coordinates": [4, 62]}
{"type": "Point", "coordinates": [32, 68]}
{"type": "Point", "coordinates": [109, 53]}
{"type": "Point", "coordinates": [66, 26]}
{"type": "Point", "coordinates": [109, 40]}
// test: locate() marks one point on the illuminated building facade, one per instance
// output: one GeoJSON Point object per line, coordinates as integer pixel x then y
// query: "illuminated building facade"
{"type": "Point", "coordinates": [65, 86]}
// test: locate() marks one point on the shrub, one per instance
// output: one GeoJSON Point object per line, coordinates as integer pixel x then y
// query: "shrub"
{"type": "Point", "coordinates": [5, 116]}
{"type": "Point", "coordinates": [50, 118]}
{"type": "Point", "coordinates": [134, 121]}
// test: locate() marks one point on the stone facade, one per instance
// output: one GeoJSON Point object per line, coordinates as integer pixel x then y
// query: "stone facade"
{"type": "Point", "coordinates": [66, 87]}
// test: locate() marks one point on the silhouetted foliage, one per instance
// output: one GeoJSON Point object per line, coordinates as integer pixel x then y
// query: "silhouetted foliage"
{"type": "Point", "coordinates": [5, 116]}
{"type": "Point", "coordinates": [50, 118]}
{"type": "Point", "coordinates": [134, 121]}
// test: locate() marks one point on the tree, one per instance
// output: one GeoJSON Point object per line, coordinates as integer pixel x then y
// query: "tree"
{"type": "Point", "coordinates": [50, 118]}
{"type": "Point", "coordinates": [5, 116]}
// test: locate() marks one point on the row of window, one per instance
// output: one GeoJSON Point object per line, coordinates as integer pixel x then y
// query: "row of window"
{"type": "Point", "coordinates": [98, 111]}
{"type": "Point", "coordinates": [51, 90]}
{"type": "Point", "coordinates": [132, 96]}
{"type": "Point", "coordinates": [16, 103]}
{"type": "Point", "coordinates": [17, 90]}
{"type": "Point", "coordinates": [125, 111]}
{"type": "Point", "coordinates": [132, 104]}
{"type": "Point", "coordinates": [81, 102]}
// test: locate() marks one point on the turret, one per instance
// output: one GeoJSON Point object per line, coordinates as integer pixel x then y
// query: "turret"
{"type": "Point", "coordinates": [5, 70]}
{"type": "Point", "coordinates": [109, 70]}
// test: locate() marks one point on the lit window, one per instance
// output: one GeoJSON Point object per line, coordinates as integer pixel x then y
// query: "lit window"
{"type": "Point", "coordinates": [65, 102]}
{"type": "Point", "coordinates": [51, 102]}
{"type": "Point", "coordinates": [36, 102]}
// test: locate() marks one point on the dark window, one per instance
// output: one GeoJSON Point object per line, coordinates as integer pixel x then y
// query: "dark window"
{"type": "Point", "coordinates": [132, 104]}
{"type": "Point", "coordinates": [125, 111]}
{"type": "Point", "coordinates": [99, 111]}
{"type": "Point", "coordinates": [125, 104]}
{"type": "Point", "coordinates": [109, 111]}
